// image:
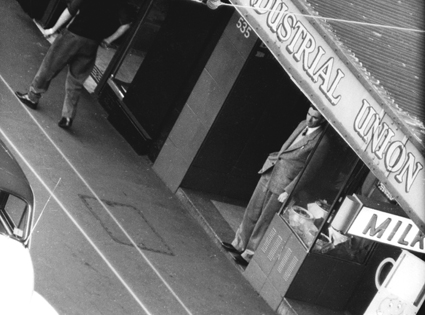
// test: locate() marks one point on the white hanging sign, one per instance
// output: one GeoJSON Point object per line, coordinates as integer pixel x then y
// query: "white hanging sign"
{"type": "Point", "coordinates": [388, 228]}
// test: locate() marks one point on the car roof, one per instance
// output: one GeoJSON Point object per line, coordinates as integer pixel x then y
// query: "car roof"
{"type": "Point", "coordinates": [12, 178]}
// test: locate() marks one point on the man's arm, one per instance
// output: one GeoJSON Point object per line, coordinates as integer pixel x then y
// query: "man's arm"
{"type": "Point", "coordinates": [117, 34]}
{"type": "Point", "coordinates": [312, 170]}
{"type": "Point", "coordinates": [282, 197]}
{"type": "Point", "coordinates": [71, 10]}
{"type": "Point", "coordinates": [64, 17]}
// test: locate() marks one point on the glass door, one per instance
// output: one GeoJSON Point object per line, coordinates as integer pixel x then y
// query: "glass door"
{"type": "Point", "coordinates": [118, 63]}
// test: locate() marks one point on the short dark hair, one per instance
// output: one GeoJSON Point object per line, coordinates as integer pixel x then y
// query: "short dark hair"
{"type": "Point", "coordinates": [323, 117]}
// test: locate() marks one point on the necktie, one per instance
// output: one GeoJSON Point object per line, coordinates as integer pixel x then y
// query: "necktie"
{"type": "Point", "coordinates": [299, 137]}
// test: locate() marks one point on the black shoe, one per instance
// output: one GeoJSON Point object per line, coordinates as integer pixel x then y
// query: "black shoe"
{"type": "Point", "coordinates": [240, 260]}
{"type": "Point", "coordinates": [229, 247]}
{"type": "Point", "coordinates": [23, 97]}
{"type": "Point", "coordinates": [65, 123]}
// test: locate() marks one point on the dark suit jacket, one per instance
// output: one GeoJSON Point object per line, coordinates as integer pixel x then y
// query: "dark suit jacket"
{"type": "Point", "coordinates": [286, 165]}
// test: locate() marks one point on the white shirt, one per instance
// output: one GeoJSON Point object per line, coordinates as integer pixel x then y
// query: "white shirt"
{"type": "Point", "coordinates": [311, 130]}
{"type": "Point", "coordinates": [300, 136]}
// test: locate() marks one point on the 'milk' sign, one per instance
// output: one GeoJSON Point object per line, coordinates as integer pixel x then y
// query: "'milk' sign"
{"type": "Point", "coordinates": [389, 229]}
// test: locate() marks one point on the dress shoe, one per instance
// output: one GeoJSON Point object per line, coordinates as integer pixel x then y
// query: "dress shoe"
{"type": "Point", "coordinates": [23, 97]}
{"type": "Point", "coordinates": [240, 260]}
{"type": "Point", "coordinates": [229, 247]}
{"type": "Point", "coordinates": [65, 122]}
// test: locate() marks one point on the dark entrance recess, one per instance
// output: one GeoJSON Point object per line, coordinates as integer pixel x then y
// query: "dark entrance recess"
{"type": "Point", "coordinates": [167, 75]}
{"type": "Point", "coordinates": [258, 115]}
{"type": "Point", "coordinates": [34, 8]}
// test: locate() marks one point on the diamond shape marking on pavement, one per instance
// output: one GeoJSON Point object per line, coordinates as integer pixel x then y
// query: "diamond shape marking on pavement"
{"type": "Point", "coordinates": [132, 220]}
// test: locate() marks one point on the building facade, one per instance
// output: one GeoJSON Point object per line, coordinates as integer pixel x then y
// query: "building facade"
{"type": "Point", "coordinates": [208, 94]}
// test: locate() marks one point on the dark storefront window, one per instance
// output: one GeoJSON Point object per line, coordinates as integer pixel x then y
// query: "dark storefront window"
{"type": "Point", "coordinates": [142, 35]}
{"type": "Point", "coordinates": [153, 72]}
{"type": "Point", "coordinates": [333, 173]}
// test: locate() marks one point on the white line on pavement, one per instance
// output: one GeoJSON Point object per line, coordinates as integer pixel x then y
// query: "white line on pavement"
{"type": "Point", "coordinates": [75, 222]}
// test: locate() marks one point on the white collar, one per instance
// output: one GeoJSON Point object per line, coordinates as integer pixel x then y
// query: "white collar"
{"type": "Point", "coordinates": [311, 130]}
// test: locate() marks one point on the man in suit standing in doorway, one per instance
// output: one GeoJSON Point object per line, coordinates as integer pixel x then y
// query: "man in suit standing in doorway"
{"type": "Point", "coordinates": [278, 177]}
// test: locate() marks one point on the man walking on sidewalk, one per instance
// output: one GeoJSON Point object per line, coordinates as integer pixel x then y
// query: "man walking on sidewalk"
{"type": "Point", "coordinates": [76, 46]}
{"type": "Point", "coordinates": [278, 177]}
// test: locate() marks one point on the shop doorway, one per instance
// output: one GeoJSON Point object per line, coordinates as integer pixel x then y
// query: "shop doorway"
{"type": "Point", "coordinates": [259, 114]}
{"type": "Point", "coordinates": [150, 77]}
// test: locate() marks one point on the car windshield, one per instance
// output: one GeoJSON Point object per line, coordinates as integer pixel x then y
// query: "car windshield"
{"type": "Point", "coordinates": [14, 216]}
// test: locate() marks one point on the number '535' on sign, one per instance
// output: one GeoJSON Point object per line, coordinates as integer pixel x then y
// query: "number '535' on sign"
{"type": "Point", "coordinates": [244, 27]}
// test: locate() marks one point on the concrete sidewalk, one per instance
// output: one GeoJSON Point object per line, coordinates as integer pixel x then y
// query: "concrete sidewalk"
{"type": "Point", "coordinates": [215, 286]}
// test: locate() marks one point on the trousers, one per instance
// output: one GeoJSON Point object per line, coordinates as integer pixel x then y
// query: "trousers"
{"type": "Point", "coordinates": [79, 53]}
{"type": "Point", "coordinates": [258, 215]}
